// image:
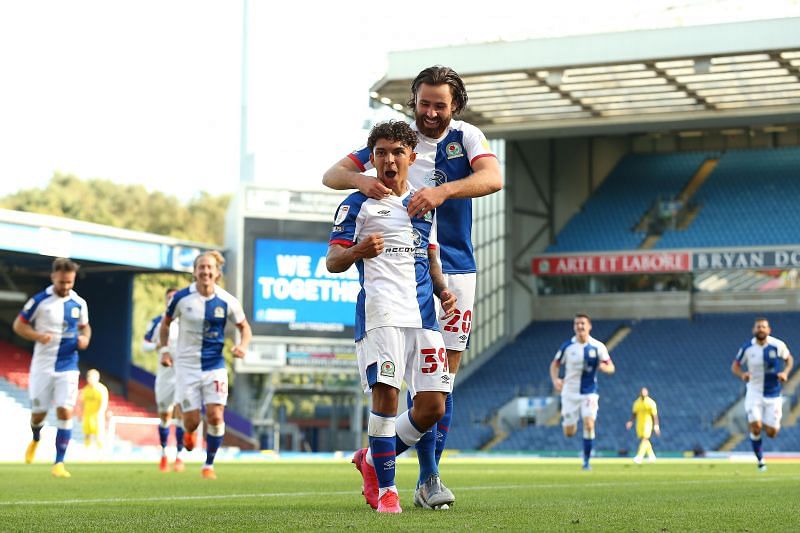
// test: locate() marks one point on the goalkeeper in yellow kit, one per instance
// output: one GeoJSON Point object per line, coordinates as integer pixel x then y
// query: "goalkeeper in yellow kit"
{"type": "Point", "coordinates": [94, 399]}
{"type": "Point", "coordinates": [645, 413]}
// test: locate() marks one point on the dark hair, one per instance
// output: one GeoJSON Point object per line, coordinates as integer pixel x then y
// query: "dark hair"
{"type": "Point", "coordinates": [63, 264]}
{"type": "Point", "coordinates": [169, 290]}
{"type": "Point", "coordinates": [584, 315]}
{"type": "Point", "coordinates": [393, 130]}
{"type": "Point", "coordinates": [439, 75]}
{"type": "Point", "coordinates": [761, 319]}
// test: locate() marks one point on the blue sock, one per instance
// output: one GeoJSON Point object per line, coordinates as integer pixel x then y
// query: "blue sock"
{"type": "Point", "coordinates": [587, 450]}
{"type": "Point", "coordinates": [163, 434]}
{"type": "Point", "coordinates": [212, 445]}
{"type": "Point", "coordinates": [443, 427]}
{"type": "Point", "coordinates": [37, 432]}
{"type": "Point", "coordinates": [179, 437]}
{"type": "Point", "coordinates": [63, 437]}
{"type": "Point", "coordinates": [757, 448]}
{"type": "Point", "coordinates": [383, 456]}
{"type": "Point", "coordinates": [426, 455]}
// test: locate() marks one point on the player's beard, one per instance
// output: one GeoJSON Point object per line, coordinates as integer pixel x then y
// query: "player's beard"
{"type": "Point", "coordinates": [434, 132]}
{"type": "Point", "coordinates": [761, 336]}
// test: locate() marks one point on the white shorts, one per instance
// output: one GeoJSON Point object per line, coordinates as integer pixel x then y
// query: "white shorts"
{"type": "Point", "coordinates": [768, 411]}
{"type": "Point", "coordinates": [575, 406]}
{"type": "Point", "coordinates": [455, 330]}
{"type": "Point", "coordinates": [392, 355]}
{"type": "Point", "coordinates": [195, 388]}
{"type": "Point", "coordinates": [53, 389]}
{"type": "Point", "coordinates": [165, 389]}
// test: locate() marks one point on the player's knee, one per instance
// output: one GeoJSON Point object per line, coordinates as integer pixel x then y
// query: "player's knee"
{"type": "Point", "coordinates": [569, 431]}
{"type": "Point", "coordinates": [429, 408]}
{"type": "Point", "coordinates": [771, 431]}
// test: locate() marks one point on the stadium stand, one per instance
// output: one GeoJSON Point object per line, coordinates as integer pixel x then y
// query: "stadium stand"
{"type": "Point", "coordinates": [14, 372]}
{"type": "Point", "coordinates": [685, 364]}
{"type": "Point", "coordinates": [749, 199]}
{"type": "Point", "coordinates": [519, 369]}
{"type": "Point", "coordinates": [623, 198]}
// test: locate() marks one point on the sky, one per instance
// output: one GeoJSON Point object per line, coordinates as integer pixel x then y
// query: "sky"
{"type": "Point", "coordinates": [150, 91]}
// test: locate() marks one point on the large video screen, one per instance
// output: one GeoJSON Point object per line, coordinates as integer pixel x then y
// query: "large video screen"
{"type": "Point", "coordinates": [288, 290]}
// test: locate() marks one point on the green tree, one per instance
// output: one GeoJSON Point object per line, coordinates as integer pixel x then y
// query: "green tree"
{"type": "Point", "coordinates": [200, 219]}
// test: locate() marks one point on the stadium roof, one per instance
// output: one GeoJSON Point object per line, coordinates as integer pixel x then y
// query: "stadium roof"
{"type": "Point", "coordinates": [28, 239]}
{"type": "Point", "coordinates": [745, 73]}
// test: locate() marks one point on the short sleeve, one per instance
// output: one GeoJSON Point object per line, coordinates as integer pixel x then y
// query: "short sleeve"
{"type": "Point", "coordinates": [476, 144]}
{"type": "Point", "coordinates": [235, 311]}
{"type": "Point", "coordinates": [345, 231]}
{"type": "Point", "coordinates": [361, 158]}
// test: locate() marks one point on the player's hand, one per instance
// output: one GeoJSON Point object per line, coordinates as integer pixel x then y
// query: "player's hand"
{"type": "Point", "coordinates": [373, 188]}
{"type": "Point", "coordinates": [370, 247]}
{"type": "Point", "coordinates": [657, 430]}
{"type": "Point", "coordinates": [448, 301]}
{"type": "Point", "coordinates": [424, 200]}
{"type": "Point", "coordinates": [166, 359]}
{"type": "Point", "coordinates": [628, 424]}
{"type": "Point", "coordinates": [558, 385]}
{"type": "Point", "coordinates": [238, 351]}
{"type": "Point", "coordinates": [745, 376]}
{"type": "Point", "coordinates": [83, 342]}
{"type": "Point", "coordinates": [782, 377]}
{"type": "Point", "coordinates": [44, 338]}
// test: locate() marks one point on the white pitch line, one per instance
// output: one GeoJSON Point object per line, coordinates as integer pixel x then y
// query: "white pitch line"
{"type": "Point", "coordinates": [351, 492]}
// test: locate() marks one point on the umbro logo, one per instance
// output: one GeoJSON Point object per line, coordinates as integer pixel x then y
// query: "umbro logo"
{"type": "Point", "coordinates": [388, 464]}
{"type": "Point", "coordinates": [462, 337]}
{"type": "Point", "coordinates": [445, 379]}
{"type": "Point", "coordinates": [384, 212]}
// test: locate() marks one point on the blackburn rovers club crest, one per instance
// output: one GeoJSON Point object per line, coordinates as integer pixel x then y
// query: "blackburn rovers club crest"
{"type": "Point", "coordinates": [454, 150]}
{"type": "Point", "coordinates": [436, 178]}
{"type": "Point", "coordinates": [387, 369]}
{"type": "Point", "coordinates": [592, 353]}
{"type": "Point", "coordinates": [219, 312]}
{"type": "Point", "coordinates": [544, 266]}
{"type": "Point", "coordinates": [75, 312]}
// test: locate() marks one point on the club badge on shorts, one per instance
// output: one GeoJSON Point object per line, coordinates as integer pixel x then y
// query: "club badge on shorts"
{"type": "Point", "coordinates": [387, 369]}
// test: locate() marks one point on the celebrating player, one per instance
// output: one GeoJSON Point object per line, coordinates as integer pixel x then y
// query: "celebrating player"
{"type": "Point", "coordinates": [580, 356]}
{"type": "Point", "coordinates": [165, 390]}
{"type": "Point", "coordinates": [397, 335]}
{"type": "Point", "coordinates": [200, 374]}
{"type": "Point", "coordinates": [768, 364]}
{"type": "Point", "coordinates": [453, 165]}
{"type": "Point", "coordinates": [645, 414]}
{"type": "Point", "coordinates": [57, 320]}
{"type": "Point", "coordinates": [94, 401]}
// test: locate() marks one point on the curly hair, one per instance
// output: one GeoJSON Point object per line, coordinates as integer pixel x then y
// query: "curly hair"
{"type": "Point", "coordinates": [392, 130]}
{"type": "Point", "coordinates": [440, 75]}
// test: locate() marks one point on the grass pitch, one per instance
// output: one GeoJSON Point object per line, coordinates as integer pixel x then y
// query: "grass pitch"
{"type": "Point", "coordinates": [518, 495]}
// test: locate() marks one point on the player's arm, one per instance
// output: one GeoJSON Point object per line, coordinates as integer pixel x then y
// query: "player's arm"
{"type": "Point", "coordinates": [446, 298]}
{"type": "Point", "coordinates": [787, 368]}
{"type": "Point", "coordinates": [558, 383]}
{"type": "Point", "coordinates": [484, 180]}
{"type": "Point", "coordinates": [246, 333]}
{"type": "Point", "coordinates": [84, 336]}
{"type": "Point", "coordinates": [629, 423]}
{"type": "Point", "coordinates": [339, 257]}
{"type": "Point", "coordinates": [736, 368]}
{"type": "Point", "coordinates": [163, 341]}
{"type": "Point", "coordinates": [607, 366]}
{"type": "Point", "coordinates": [26, 331]}
{"type": "Point", "coordinates": [345, 175]}
{"type": "Point", "coordinates": [656, 425]}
